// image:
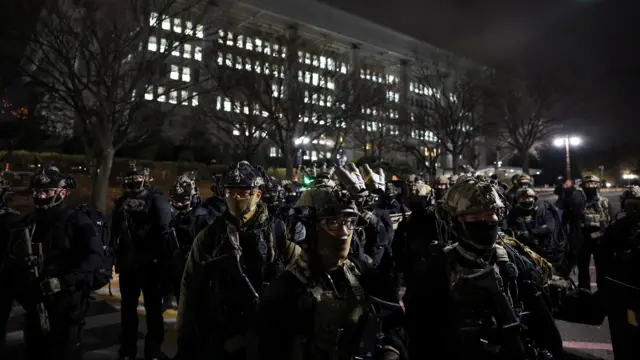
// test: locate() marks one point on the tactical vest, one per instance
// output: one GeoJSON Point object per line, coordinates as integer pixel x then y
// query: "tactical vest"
{"type": "Point", "coordinates": [480, 320]}
{"type": "Point", "coordinates": [335, 318]}
{"type": "Point", "coordinates": [137, 213]}
{"type": "Point", "coordinates": [596, 213]}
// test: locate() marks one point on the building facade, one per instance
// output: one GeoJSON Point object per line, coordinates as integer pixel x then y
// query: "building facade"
{"type": "Point", "coordinates": [315, 46]}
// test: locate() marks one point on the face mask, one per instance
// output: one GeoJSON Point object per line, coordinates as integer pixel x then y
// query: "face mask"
{"type": "Point", "coordinates": [333, 250]}
{"type": "Point", "coordinates": [181, 204]}
{"type": "Point", "coordinates": [591, 192]}
{"type": "Point", "coordinates": [482, 234]}
{"type": "Point", "coordinates": [439, 193]}
{"type": "Point", "coordinates": [527, 205]}
{"type": "Point", "coordinates": [241, 208]}
{"type": "Point", "coordinates": [134, 185]}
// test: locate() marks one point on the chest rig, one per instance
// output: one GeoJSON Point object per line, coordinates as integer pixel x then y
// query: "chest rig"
{"type": "Point", "coordinates": [343, 322]}
{"type": "Point", "coordinates": [136, 212]}
{"type": "Point", "coordinates": [596, 213]}
{"type": "Point", "coordinates": [485, 306]}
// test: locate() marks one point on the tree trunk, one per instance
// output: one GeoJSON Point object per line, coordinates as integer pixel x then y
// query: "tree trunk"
{"type": "Point", "coordinates": [99, 196]}
{"type": "Point", "coordinates": [455, 161]}
{"type": "Point", "coordinates": [289, 162]}
{"type": "Point", "coordinates": [525, 163]}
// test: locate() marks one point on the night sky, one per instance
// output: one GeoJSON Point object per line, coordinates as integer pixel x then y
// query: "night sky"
{"type": "Point", "coordinates": [591, 44]}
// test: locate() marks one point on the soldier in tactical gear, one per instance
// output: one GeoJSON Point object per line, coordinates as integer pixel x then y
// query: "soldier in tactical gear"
{"type": "Point", "coordinates": [453, 179]}
{"type": "Point", "coordinates": [481, 297]}
{"type": "Point", "coordinates": [595, 219]}
{"type": "Point", "coordinates": [141, 226]}
{"type": "Point", "coordinates": [230, 263]}
{"type": "Point", "coordinates": [537, 225]}
{"type": "Point", "coordinates": [189, 218]}
{"type": "Point", "coordinates": [52, 259]}
{"type": "Point", "coordinates": [215, 204]}
{"type": "Point", "coordinates": [519, 181]}
{"type": "Point", "coordinates": [326, 305]}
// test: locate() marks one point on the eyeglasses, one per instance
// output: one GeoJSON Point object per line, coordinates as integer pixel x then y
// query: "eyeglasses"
{"type": "Point", "coordinates": [335, 224]}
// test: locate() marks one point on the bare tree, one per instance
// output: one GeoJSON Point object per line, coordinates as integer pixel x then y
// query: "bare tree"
{"type": "Point", "coordinates": [451, 108]}
{"type": "Point", "coordinates": [300, 100]}
{"type": "Point", "coordinates": [528, 114]}
{"type": "Point", "coordinates": [421, 144]}
{"type": "Point", "coordinates": [102, 59]}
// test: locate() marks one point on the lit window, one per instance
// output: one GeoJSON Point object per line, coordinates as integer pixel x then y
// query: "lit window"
{"type": "Point", "coordinates": [275, 90]}
{"type": "Point", "coordinates": [236, 132]}
{"type": "Point", "coordinates": [284, 52]}
{"type": "Point", "coordinates": [186, 74]}
{"type": "Point", "coordinates": [173, 97]}
{"type": "Point", "coordinates": [256, 67]}
{"type": "Point", "coordinates": [343, 68]}
{"type": "Point", "coordinates": [331, 65]}
{"type": "Point", "coordinates": [247, 64]}
{"type": "Point", "coordinates": [276, 48]}
{"type": "Point", "coordinates": [175, 49]}
{"type": "Point", "coordinates": [148, 94]}
{"type": "Point", "coordinates": [188, 28]}
{"type": "Point", "coordinates": [153, 19]}
{"type": "Point", "coordinates": [273, 152]}
{"type": "Point", "coordinates": [249, 44]}
{"type": "Point", "coordinates": [198, 53]}
{"type": "Point", "coordinates": [267, 48]}
{"type": "Point", "coordinates": [240, 41]}
{"type": "Point", "coordinates": [220, 58]}
{"type": "Point", "coordinates": [194, 99]}
{"type": "Point", "coordinates": [200, 31]}
{"type": "Point", "coordinates": [258, 45]}
{"type": "Point", "coordinates": [230, 39]}
{"type": "Point", "coordinates": [161, 96]}
{"type": "Point", "coordinates": [227, 105]}
{"type": "Point", "coordinates": [221, 36]}
{"type": "Point", "coordinates": [187, 51]}
{"type": "Point", "coordinates": [229, 60]}
{"type": "Point", "coordinates": [177, 26]}
{"type": "Point", "coordinates": [153, 44]}
{"type": "Point", "coordinates": [166, 23]}
{"type": "Point", "coordinates": [323, 62]}
{"type": "Point", "coordinates": [315, 79]}
{"type": "Point", "coordinates": [300, 76]}
{"type": "Point", "coordinates": [238, 63]}
{"type": "Point", "coordinates": [330, 84]}
{"type": "Point", "coordinates": [329, 100]}
{"type": "Point", "coordinates": [163, 45]}
{"type": "Point", "coordinates": [267, 68]}
{"type": "Point", "coordinates": [314, 155]}
{"type": "Point", "coordinates": [175, 72]}
{"type": "Point", "coordinates": [316, 61]}
{"type": "Point", "coordinates": [184, 95]}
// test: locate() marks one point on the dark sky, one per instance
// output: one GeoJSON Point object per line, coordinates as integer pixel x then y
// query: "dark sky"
{"type": "Point", "coordinates": [594, 44]}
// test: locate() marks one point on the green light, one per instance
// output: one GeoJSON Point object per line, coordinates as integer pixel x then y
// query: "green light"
{"type": "Point", "coordinates": [307, 180]}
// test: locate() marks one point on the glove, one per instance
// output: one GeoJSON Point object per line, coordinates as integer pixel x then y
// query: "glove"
{"type": "Point", "coordinates": [351, 179]}
{"type": "Point", "coordinates": [372, 180]}
{"type": "Point", "coordinates": [50, 286]}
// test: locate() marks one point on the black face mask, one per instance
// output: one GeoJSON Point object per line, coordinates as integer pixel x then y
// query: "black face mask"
{"type": "Point", "coordinates": [591, 192]}
{"type": "Point", "coordinates": [439, 193]}
{"type": "Point", "coordinates": [526, 205]}
{"type": "Point", "coordinates": [134, 185]}
{"type": "Point", "coordinates": [482, 234]}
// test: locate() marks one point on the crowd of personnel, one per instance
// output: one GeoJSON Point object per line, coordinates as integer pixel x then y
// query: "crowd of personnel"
{"type": "Point", "coordinates": [353, 266]}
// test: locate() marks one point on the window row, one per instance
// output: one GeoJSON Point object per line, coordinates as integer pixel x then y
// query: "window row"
{"type": "Point", "coordinates": [312, 155]}
{"type": "Point", "coordinates": [373, 76]}
{"type": "Point", "coordinates": [423, 90]}
{"type": "Point", "coordinates": [176, 74]}
{"type": "Point", "coordinates": [393, 114]}
{"type": "Point", "coordinates": [186, 51]}
{"type": "Point", "coordinates": [239, 107]}
{"type": "Point", "coordinates": [323, 62]}
{"type": "Point", "coordinates": [252, 44]}
{"type": "Point", "coordinates": [248, 64]}
{"type": "Point", "coordinates": [176, 25]}
{"type": "Point", "coordinates": [318, 99]}
{"type": "Point", "coordinates": [316, 79]}
{"type": "Point", "coordinates": [372, 126]}
{"type": "Point", "coordinates": [250, 132]}
{"type": "Point", "coordinates": [424, 135]}
{"type": "Point", "coordinates": [393, 96]}
{"type": "Point", "coordinates": [162, 94]}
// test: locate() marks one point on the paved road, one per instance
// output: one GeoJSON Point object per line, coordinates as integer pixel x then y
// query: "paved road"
{"type": "Point", "coordinates": [103, 326]}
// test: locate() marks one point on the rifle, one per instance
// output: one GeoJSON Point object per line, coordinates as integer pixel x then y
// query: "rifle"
{"type": "Point", "coordinates": [34, 269]}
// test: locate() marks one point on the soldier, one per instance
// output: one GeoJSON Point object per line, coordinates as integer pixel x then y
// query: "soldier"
{"type": "Point", "coordinates": [325, 306]}
{"type": "Point", "coordinates": [595, 219]}
{"type": "Point", "coordinates": [141, 221]}
{"type": "Point", "coordinates": [230, 263]}
{"type": "Point", "coordinates": [480, 298]}
{"type": "Point", "coordinates": [440, 187]}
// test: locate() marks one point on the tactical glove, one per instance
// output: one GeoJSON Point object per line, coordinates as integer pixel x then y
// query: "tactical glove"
{"type": "Point", "coordinates": [351, 179]}
{"type": "Point", "coordinates": [372, 180]}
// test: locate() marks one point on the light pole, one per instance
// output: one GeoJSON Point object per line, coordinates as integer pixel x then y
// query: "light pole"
{"type": "Point", "coordinates": [601, 173]}
{"type": "Point", "coordinates": [567, 141]}
{"type": "Point", "coordinates": [629, 177]}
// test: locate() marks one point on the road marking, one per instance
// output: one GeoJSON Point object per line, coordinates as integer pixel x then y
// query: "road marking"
{"type": "Point", "coordinates": [587, 345]}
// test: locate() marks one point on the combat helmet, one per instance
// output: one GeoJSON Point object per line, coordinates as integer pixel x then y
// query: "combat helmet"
{"type": "Point", "coordinates": [243, 175]}
{"type": "Point", "coordinates": [471, 197]}
{"type": "Point", "coordinates": [589, 180]}
{"type": "Point", "coordinates": [184, 194]}
{"type": "Point", "coordinates": [324, 202]}
{"type": "Point", "coordinates": [50, 180]}
{"type": "Point", "coordinates": [136, 178]}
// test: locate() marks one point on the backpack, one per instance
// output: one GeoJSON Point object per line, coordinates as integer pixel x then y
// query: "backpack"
{"type": "Point", "coordinates": [559, 241]}
{"type": "Point", "coordinates": [104, 274]}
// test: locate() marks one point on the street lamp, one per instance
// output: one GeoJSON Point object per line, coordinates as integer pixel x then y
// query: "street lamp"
{"type": "Point", "coordinates": [629, 177]}
{"type": "Point", "coordinates": [567, 141]}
